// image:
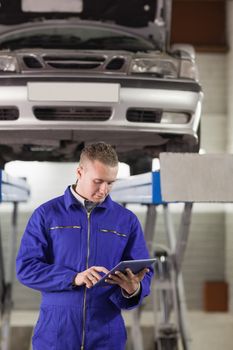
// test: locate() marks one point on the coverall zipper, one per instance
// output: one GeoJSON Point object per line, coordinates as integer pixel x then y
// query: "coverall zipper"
{"type": "Point", "coordinates": [57, 227]}
{"type": "Point", "coordinates": [114, 232]}
{"type": "Point", "coordinates": [85, 291]}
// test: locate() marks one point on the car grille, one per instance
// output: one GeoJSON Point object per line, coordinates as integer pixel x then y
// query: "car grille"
{"type": "Point", "coordinates": [115, 64]}
{"type": "Point", "coordinates": [32, 62]}
{"type": "Point", "coordinates": [140, 115]}
{"type": "Point", "coordinates": [72, 113]}
{"type": "Point", "coordinates": [74, 62]}
{"type": "Point", "coordinates": [9, 113]}
{"type": "Point", "coordinates": [78, 62]}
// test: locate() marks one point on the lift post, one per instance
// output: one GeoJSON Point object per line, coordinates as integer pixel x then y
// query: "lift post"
{"type": "Point", "coordinates": [182, 178]}
{"type": "Point", "coordinates": [12, 190]}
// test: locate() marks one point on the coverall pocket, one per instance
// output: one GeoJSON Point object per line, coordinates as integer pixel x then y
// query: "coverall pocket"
{"type": "Point", "coordinates": [66, 243]}
{"type": "Point", "coordinates": [113, 239]}
{"type": "Point", "coordinates": [45, 332]}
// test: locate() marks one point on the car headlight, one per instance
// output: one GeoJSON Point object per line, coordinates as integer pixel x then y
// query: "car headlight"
{"type": "Point", "coordinates": [175, 118]}
{"type": "Point", "coordinates": [8, 64]}
{"type": "Point", "coordinates": [188, 70]}
{"type": "Point", "coordinates": [163, 68]}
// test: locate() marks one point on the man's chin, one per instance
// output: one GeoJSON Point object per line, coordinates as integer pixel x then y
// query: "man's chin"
{"type": "Point", "coordinates": [98, 198]}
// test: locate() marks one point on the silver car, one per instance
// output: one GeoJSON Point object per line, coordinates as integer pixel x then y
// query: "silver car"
{"type": "Point", "coordinates": [82, 71]}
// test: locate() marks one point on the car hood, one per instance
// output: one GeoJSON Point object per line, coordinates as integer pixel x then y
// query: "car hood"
{"type": "Point", "coordinates": [150, 18]}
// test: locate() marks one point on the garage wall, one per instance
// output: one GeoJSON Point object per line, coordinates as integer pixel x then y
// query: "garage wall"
{"type": "Point", "coordinates": [213, 77]}
{"type": "Point", "coordinates": [229, 253]}
{"type": "Point", "coordinates": [229, 81]}
{"type": "Point", "coordinates": [229, 210]}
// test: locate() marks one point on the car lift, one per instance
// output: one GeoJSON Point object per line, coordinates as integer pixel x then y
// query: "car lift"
{"type": "Point", "coordinates": [184, 178]}
{"type": "Point", "coordinates": [12, 190]}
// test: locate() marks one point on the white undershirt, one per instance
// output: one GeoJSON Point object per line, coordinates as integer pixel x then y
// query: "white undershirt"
{"type": "Point", "coordinates": [77, 196]}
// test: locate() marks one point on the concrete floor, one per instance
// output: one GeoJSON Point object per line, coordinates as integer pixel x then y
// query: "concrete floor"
{"type": "Point", "coordinates": [209, 331]}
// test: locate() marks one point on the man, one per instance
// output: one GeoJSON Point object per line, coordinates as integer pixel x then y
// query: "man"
{"type": "Point", "coordinates": [68, 244]}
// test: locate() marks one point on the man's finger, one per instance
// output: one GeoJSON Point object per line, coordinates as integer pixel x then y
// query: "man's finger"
{"type": "Point", "coordinates": [95, 274]}
{"type": "Point", "coordinates": [120, 275]}
{"type": "Point", "coordinates": [88, 282]}
{"type": "Point", "coordinates": [111, 279]}
{"type": "Point", "coordinates": [93, 278]}
{"type": "Point", "coordinates": [142, 273]}
{"type": "Point", "coordinates": [129, 272]}
{"type": "Point", "coordinates": [100, 269]}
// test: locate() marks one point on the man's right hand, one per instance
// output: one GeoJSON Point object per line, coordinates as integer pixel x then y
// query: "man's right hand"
{"type": "Point", "coordinates": [90, 276]}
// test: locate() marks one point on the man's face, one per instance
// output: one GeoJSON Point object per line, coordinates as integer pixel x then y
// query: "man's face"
{"type": "Point", "coordinates": [95, 180]}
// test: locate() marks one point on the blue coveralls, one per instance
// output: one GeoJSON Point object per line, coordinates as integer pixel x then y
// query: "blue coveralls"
{"type": "Point", "coordinates": [60, 240]}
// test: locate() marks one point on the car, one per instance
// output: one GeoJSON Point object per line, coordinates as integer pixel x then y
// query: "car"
{"type": "Point", "coordinates": [83, 71]}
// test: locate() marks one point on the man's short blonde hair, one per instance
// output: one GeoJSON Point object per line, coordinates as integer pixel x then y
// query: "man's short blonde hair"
{"type": "Point", "coordinates": [101, 151]}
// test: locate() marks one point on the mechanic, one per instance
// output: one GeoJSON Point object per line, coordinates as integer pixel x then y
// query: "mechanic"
{"type": "Point", "coordinates": [68, 244]}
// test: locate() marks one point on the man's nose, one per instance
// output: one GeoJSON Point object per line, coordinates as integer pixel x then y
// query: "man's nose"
{"type": "Point", "coordinates": [103, 187]}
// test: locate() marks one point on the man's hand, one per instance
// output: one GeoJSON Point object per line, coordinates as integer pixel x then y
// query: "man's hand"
{"type": "Point", "coordinates": [128, 281]}
{"type": "Point", "coordinates": [90, 276]}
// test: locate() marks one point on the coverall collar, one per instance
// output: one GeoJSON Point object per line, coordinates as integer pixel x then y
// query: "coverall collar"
{"type": "Point", "coordinates": [71, 200]}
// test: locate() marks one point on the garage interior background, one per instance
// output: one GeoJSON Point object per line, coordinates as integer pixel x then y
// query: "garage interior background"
{"type": "Point", "coordinates": [209, 255]}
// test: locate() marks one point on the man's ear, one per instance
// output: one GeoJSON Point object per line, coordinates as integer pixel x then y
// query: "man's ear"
{"type": "Point", "coordinates": [79, 172]}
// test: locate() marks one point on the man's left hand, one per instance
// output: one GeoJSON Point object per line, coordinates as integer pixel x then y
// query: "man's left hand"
{"type": "Point", "coordinates": [128, 281]}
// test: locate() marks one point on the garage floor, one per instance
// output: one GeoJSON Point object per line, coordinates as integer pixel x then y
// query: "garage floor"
{"type": "Point", "coordinates": [212, 331]}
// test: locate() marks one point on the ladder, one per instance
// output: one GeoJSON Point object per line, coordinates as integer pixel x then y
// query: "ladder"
{"type": "Point", "coordinates": [182, 178]}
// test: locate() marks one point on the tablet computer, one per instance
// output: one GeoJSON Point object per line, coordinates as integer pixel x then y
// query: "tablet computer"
{"type": "Point", "coordinates": [134, 265]}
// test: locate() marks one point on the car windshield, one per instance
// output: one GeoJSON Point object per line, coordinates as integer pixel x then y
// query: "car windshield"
{"type": "Point", "coordinates": [73, 38]}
